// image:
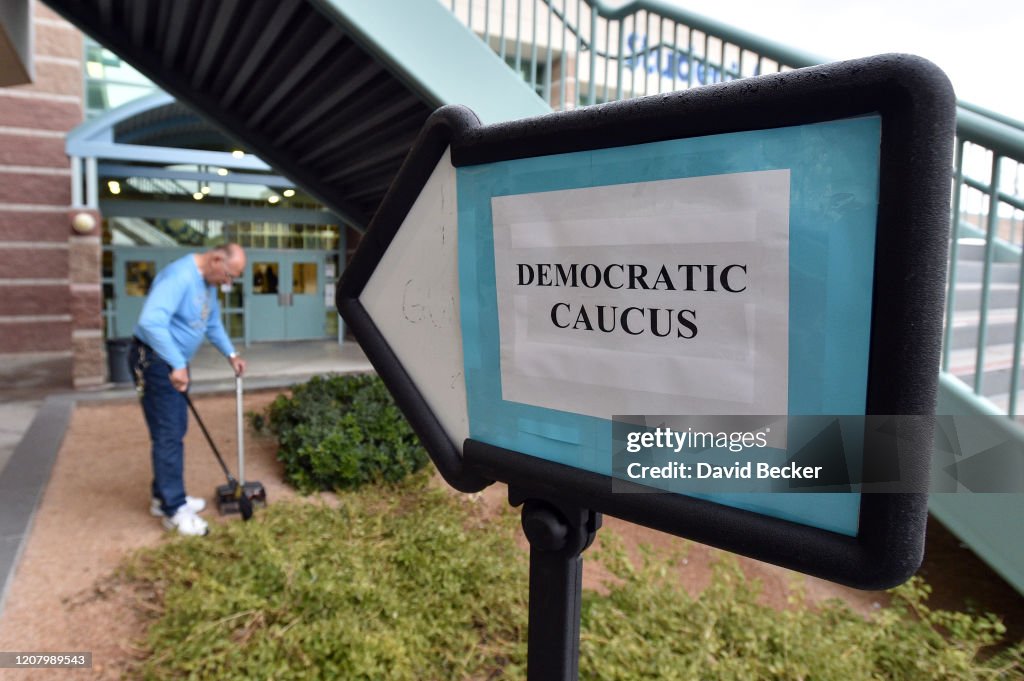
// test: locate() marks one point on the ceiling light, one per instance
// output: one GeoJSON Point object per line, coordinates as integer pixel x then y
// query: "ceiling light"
{"type": "Point", "coordinates": [198, 196]}
{"type": "Point", "coordinates": [222, 171]}
{"type": "Point", "coordinates": [288, 193]}
{"type": "Point", "coordinates": [114, 186]}
{"type": "Point", "coordinates": [274, 199]}
{"type": "Point", "coordinates": [238, 153]}
{"type": "Point", "coordinates": [204, 189]}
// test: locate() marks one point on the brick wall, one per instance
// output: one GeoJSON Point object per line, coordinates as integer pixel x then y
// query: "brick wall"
{"type": "Point", "coordinates": [50, 320]}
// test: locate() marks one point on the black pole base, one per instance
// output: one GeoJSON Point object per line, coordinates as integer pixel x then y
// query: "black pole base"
{"type": "Point", "coordinates": [558, 535]}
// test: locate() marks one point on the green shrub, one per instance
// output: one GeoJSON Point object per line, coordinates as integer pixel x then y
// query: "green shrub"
{"type": "Point", "coordinates": [340, 432]}
{"type": "Point", "coordinates": [394, 584]}
{"type": "Point", "coordinates": [407, 582]}
{"type": "Point", "coordinates": [648, 627]}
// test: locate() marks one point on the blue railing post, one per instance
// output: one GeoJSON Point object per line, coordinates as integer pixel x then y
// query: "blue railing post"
{"type": "Point", "coordinates": [986, 277]}
{"type": "Point", "coordinates": [954, 253]}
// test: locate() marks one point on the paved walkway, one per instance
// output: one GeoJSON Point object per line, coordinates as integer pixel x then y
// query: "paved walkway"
{"type": "Point", "coordinates": [32, 423]}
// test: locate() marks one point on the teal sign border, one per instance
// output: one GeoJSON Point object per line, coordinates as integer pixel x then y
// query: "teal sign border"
{"type": "Point", "coordinates": [834, 179]}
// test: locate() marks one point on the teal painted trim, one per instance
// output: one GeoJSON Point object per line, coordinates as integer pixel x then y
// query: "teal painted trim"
{"type": "Point", "coordinates": [990, 131]}
{"type": "Point", "coordinates": [437, 56]}
{"type": "Point", "coordinates": [1003, 251]}
{"type": "Point", "coordinates": [168, 155]}
{"type": "Point", "coordinates": [988, 523]}
{"type": "Point", "coordinates": [985, 188]}
{"type": "Point", "coordinates": [119, 170]}
{"type": "Point", "coordinates": [102, 128]}
{"type": "Point", "coordinates": [957, 398]}
{"type": "Point", "coordinates": [212, 211]}
{"type": "Point", "coordinates": [994, 115]}
{"type": "Point", "coordinates": [1018, 340]}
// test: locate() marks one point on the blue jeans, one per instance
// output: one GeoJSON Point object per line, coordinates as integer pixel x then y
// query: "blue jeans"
{"type": "Point", "coordinates": [167, 418]}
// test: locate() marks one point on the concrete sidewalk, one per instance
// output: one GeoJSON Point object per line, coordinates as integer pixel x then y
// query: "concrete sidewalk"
{"type": "Point", "coordinates": [32, 422]}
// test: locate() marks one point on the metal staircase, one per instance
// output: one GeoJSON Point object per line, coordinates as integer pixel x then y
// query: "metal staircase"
{"type": "Point", "coordinates": [330, 93]}
{"type": "Point", "coordinates": [1001, 351]}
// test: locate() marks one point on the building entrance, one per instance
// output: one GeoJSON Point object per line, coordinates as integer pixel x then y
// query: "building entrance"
{"type": "Point", "coordinates": [281, 295]}
{"type": "Point", "coordinates": [285, 294]}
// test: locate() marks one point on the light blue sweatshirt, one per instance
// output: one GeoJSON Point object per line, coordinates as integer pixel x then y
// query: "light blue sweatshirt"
{"type": "Point", "coordinates": [179, 310]}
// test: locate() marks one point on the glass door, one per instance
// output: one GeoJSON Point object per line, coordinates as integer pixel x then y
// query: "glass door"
{"type": "Point", "coordinates": [286, 295]}
{"type": "Point", "coordinates": [135, 268]}
{"type": "Point", "coordinates": [267, 296]}
{"type": "Point", "coordinates": [305, 315]}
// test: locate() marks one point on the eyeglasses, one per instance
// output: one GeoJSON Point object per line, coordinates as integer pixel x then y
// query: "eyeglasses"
{"type": "Point", "coordinates": [230, 273]}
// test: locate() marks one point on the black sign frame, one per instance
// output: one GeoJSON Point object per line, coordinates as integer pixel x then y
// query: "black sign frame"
{"type": "Point", "coordinates": [917, 108]}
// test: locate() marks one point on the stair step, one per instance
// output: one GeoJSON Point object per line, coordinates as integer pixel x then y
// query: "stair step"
{"type": "Point", "coordinates": [970, 250]}
{"type": "Point", "coordinates": [998, 369]}
{"type": "Point", "coordinates": [1001, 295]}
{"type": "Point", "coordinates": [1002, 400]}
{"type": "Point", "coordinates": [971, 272]}
{"type": "Point", "coordinates": [973, 248]}
{"type": "Point", "coordinates": [1002, 327]}
{"type": "Point", "coordinates": [994, 382]}
{"type": "Point", "coordinates": [997, 356]}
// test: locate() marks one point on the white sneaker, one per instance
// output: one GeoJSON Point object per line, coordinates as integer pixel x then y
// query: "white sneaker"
{"type": "Point", "coordinates": [186, 522]}
{"type": "Point", "coordinates": [196, 504]}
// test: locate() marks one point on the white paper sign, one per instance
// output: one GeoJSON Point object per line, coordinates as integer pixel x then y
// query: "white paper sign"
{"type": "Point", "coordinates": [666, 297]}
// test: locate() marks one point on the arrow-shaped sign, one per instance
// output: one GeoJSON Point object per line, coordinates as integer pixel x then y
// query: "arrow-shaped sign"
{"type": "Point", "coordinates": [758, 249]}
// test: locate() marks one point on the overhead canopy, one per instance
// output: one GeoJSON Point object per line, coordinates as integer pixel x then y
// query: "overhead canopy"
{"type": "Point", "coordinates": [322, 91]}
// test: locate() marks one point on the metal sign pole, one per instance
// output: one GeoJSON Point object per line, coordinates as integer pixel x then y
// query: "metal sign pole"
{"type": "Point", "coordinates": [558, 535]}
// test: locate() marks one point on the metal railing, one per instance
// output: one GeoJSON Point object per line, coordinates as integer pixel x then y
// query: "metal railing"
{"type": "Point", "coordinates": [579, 52]}
{"type": "Point", "coordinates": [988, 190]}
{"type": "Point", "coordinates": [582, 52]}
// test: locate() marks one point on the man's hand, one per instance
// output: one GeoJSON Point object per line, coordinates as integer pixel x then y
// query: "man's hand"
{"type": "Point", "coordinates": [238, 364]}
{"type": "Point", "coordinates": [179, 379]}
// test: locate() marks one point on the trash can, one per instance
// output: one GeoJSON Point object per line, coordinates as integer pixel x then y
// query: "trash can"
{"type": "Point", "coordinates": [117, 360]}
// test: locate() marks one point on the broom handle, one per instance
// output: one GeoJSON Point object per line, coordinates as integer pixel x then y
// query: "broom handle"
{"type": "Point", "coordinates": [209, 439]}
{"type": "Point", "coordinates": [241, 430]}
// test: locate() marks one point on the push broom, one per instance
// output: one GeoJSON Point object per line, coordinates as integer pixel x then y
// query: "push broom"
{"type": "Point", "coordinates": [237, 496]}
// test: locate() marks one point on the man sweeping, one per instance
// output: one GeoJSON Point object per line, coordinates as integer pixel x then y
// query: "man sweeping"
{"type": "Point", "coordinates": [180, 310]}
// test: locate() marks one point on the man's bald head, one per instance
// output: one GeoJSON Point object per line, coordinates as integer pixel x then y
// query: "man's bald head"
{"type": "Point", "coordinates": [224, 264]}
